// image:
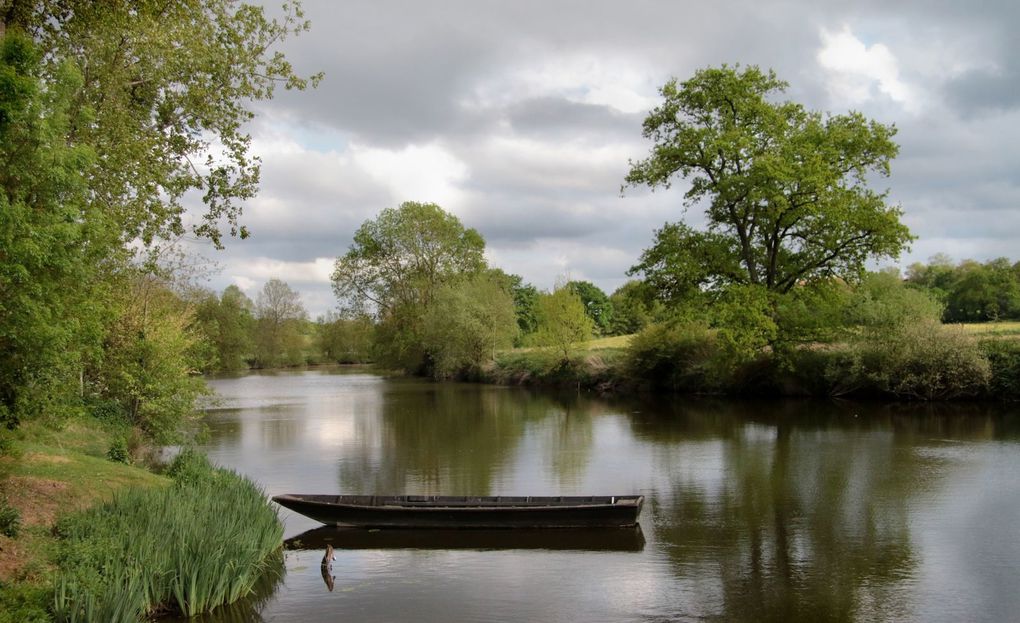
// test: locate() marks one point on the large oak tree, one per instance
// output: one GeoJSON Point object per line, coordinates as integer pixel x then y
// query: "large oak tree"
{"type": "Point", "coordinates": [785, 190]}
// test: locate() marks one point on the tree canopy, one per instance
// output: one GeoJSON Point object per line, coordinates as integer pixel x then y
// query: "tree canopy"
{"type": "Point", "coordinates": [113, 116]}
{"type": "Point", "coordinates": [784, 189]}
{"type": "Point", "coordinates": [404, 255]}
{"type": "Point", "coordinates": [396, 267]}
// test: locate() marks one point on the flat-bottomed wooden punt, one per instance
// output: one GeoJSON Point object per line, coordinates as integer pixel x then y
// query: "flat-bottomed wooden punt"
{"type": "Point", "coordinates": [427, 511]}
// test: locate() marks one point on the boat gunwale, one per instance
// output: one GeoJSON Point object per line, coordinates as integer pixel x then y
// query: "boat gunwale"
{"type": "Point", "coordinates": [434, 503]}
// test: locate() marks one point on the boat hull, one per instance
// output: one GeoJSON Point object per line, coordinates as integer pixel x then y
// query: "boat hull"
{"type": "Point", "coordinates": [466, 512]}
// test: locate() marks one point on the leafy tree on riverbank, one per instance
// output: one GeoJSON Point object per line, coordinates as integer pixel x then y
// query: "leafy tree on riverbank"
{"type": "Point", "coordinates": [596, 304]}
{"type": "Point", "coordinates": [110, 114]}
{"type": "Point", "coordinates": [562, 320]}
{"type": "Point", "coordinates": [784, 190]}
{"type": "Point", "coordinates": [229, 325]}
{"type": "Point", "coordinates": [467, 322]}
{"type": "Point", "coordinates": [279, 315]}
{"type": "Point", "coordinates": [397, 264]}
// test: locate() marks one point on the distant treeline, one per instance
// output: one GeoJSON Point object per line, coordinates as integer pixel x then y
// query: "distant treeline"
{"type": "Point", "coordinates": [970, 291]}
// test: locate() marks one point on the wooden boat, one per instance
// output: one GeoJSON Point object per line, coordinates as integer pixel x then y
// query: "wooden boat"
{"type": "Point", "coordinates": [614, 539]}
{"type": "Point", "coordinates": [434, 511]}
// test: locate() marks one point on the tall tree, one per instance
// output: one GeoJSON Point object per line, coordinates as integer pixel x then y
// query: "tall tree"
{"type": "Point", "coordinates": [396, 266]}
{"type": "Point", "coordinates": [469, 319]}
{"type": "Point", "coordinates": [785, 190]}
{"type": "Point", "coordinates": [404, 255]}
{"type": "Point", "coordinates": [111, 113]}
{"type": "Point", "coordinates": [53, 246]}
{"type": "Point", "coordinates": [229, 326]}
{"type": "Point", "coordinates": [562, 320]}
{"type": "Point", "coordinates": [278, 314]}
{"type": "Point", "coordinates": [167, 89]}
{"type": "Point", "coordinates": [596, 304]}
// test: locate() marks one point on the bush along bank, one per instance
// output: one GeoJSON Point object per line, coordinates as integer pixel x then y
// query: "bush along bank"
{"type": "Point", "coordinates": [204, 542]}
{"type": "Point", "coordinates": [921, 361]}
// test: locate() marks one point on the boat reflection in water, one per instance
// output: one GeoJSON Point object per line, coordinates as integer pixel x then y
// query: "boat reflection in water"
{"type": "Point", "coordinates": [590, 539]}
{"type": "Point", "coordinates": [582, 539]}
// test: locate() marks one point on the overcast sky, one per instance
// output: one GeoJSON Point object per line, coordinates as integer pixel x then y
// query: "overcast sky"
{"type": "Point", "coordinates": [520, 118]}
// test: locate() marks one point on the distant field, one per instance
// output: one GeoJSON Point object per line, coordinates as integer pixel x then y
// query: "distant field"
{"type": "Point", "coordinates": [1010, 327]}
{"type": "Point", "coordinates": [617, 341]}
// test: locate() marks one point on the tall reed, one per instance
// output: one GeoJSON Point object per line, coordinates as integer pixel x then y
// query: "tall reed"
{"type": "Point", "coordinates": [189, 548]}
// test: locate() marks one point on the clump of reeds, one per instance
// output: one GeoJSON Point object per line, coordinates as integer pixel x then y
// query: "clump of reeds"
{"type": "Point", "coordinates": [202, 543]}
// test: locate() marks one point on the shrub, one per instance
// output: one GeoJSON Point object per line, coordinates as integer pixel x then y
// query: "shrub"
{"type": "Point", "coordinates": [924, 361]}
{"type": "Point", "coordinates": [677, 356]}
{"type": "Point", "coordinates": [190, 467]}
{"type": "Point", "coordinates": [119, 452]}
{"type": "Point", "coordinates": [1004, 360]}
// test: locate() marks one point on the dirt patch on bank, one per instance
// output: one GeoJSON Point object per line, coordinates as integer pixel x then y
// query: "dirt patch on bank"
{"type": "Point", "coordinates": [12, 558]}
{"type": "Point", "coordinates": [37, 499]}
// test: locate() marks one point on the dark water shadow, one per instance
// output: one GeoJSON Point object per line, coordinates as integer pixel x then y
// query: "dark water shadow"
{"type": "Point", "coordinates": [586, 539]}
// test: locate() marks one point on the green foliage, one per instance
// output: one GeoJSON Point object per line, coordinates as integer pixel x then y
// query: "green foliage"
{"type": "Point", "coordinates": [110, 114]}
{"type": "Point", "coordinates": [971, 291]}
{"type": "Point", "coordinates": [675, 356]}
{"type": "Point", "coordinates": [344, 339]}
{"type": "Point", "coordinates": [10, 519]}
{"type": "Point", "coordinates": [918, 361]}
{"type": "Point", "coordinates": [279, 319]}
{"type": "Point", "coordinates": [882, 302]}
{"type": "Point", "coordinates": [398, 263]}
{"type": "Point", "coordinates": [189, 548]}
{"type": "Point", "coordinates": [50, 240]}
{"type": "Point", "coordinates": [169, 87]}
{"type": "Point", "coordinates": [812, 314]}
{"type": "Point", "coordinates": [228, 325]}
{"type": "Point", "coordinates": [24, 603]}
{"type": "Point", "coordinates": [1004, 361]}
{"type": "Point", "coordinates": [150, 358]}
{"type": "Point", "coordinates": [784, 189]}
{"type": "Point", "coordinates": [119, 452]}
{"type": "Point", "coordinates": [400, 259]}
{"type": "Point", "coordinates": [562, 321]}
{"type": "Point", "coordinates": [745, 322]}
{"type": "Point", "coordinates": [190, 467]}
{"type": "Point", "coordinates": [634, 307]}
{"type": "Point", "coordinates": [596, 304]}
{"type": "Point", "coordinates": [466, 323]}
{"type": "Point", "coordinates": [525, 298]}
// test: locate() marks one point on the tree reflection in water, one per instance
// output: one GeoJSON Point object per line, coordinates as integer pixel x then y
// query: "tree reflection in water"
{"type": "Point", "coordinates": [809, 520]}
{"type": "Point", "coordinates": [453, 439]}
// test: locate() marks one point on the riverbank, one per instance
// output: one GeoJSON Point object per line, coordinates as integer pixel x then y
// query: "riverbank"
{"type": "Point", "coordinates": [47, 473]}
{"type": "Point", "coordinates": [930, 363]}
{"type": "Point", "coordinates": [76, 511]}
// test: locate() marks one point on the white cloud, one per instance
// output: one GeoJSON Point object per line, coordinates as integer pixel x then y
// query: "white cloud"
{"type": "Point", "coordinates": [583, 78]}
{"type": "Point", "coordinates": [426, 173]}
{"type": "Point", "coordinates": [856, 69]}
{"type": "Point", "coordinates": [263, 269]}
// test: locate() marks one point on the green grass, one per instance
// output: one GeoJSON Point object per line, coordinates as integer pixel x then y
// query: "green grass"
{"type": "Point", "coordinates": [47, 472]}
{"type": "Point", "coordinates": [992, 329]}
{"type": "Point", "coordinates": [202, 543]}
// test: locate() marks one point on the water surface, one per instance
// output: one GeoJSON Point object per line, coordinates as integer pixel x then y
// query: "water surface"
{"type": "Point", "coordinates": [756, 511]}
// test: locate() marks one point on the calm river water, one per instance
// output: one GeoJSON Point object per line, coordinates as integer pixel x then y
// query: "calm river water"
{"type": "Point", "coordinates": [784, 511]}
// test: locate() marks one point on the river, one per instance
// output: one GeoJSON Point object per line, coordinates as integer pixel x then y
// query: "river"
{"type": "Point", "coordinates": [755, 511]}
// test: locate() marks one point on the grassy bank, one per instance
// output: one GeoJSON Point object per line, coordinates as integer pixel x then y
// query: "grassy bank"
{"type": "Point", "coordinates": [917, 362]}
{"type": "Point", "coordinates": [47, 473]}
{"type": "Point", "coordinates": [99, 540]}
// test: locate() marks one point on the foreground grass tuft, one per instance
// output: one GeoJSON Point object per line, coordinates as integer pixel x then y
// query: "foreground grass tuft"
{"type": "Point", "coordinates": [202, 543]}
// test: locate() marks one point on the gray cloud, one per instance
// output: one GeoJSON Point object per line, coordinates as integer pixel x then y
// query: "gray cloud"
{"type": "Point", "coordinates": [526, 114]}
